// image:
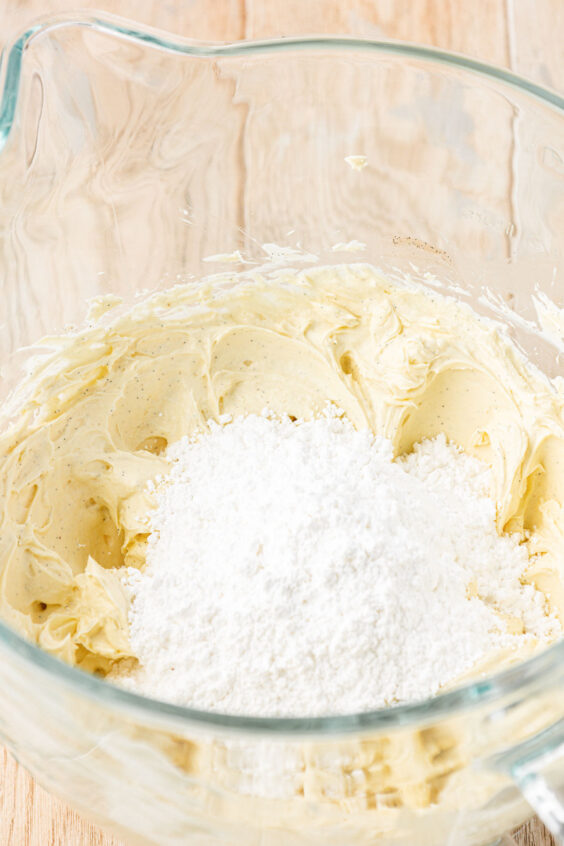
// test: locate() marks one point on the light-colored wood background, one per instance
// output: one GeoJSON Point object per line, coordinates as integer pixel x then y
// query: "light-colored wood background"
{"type": "Point", "coordinates": [525, 35]}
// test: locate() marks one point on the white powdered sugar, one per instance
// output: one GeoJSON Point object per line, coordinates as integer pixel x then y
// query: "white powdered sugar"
{"type": "Point", "coordinates": [295, 568]}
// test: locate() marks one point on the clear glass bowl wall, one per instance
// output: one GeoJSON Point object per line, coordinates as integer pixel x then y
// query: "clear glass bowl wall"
{"type": "Point", "coordinates": [127, 161]}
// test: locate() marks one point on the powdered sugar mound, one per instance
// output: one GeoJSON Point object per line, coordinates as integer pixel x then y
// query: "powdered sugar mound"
{"type": "Point", "coordinates": [294, 568]}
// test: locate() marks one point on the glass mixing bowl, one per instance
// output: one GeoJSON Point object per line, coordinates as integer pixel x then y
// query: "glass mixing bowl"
{"type": "Point", "coordinates": [131, 161]}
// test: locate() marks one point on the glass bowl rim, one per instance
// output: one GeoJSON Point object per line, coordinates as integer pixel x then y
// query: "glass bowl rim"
{"type": "Point", "coordinates": [472, 694]}
{"type": "Point", "coordinates": [12, 54]}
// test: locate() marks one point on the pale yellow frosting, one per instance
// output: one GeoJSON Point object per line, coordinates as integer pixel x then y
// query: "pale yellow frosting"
{"type": "Point", "coordinates": [95, 416]}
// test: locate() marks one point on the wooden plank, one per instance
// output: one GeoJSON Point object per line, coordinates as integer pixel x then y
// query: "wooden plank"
{"type": "Point", "coordinates": [345, 206]}
{"type": "Point", "coordinates": [213, 20]}
{"type": "Point", "coordinates": [535, 40]}
{"type": "Point", "coordinates": [29, 816]}
{"type": "Point", "coordinates": [534, 833]}
{"type": "Point", "coordinates": [449, 24]}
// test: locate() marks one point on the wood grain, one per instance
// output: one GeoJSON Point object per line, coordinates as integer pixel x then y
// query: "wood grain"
{"type": "Point", "coordinates": [535, 40]}
{"type": "Point", "coordinates": [29, 816]}
{"type": "Point", "coordinates": [522, 34]}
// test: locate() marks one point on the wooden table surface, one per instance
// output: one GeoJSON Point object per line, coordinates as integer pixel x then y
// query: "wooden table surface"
{"type": "Point", "coordinates": [525, 35]}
